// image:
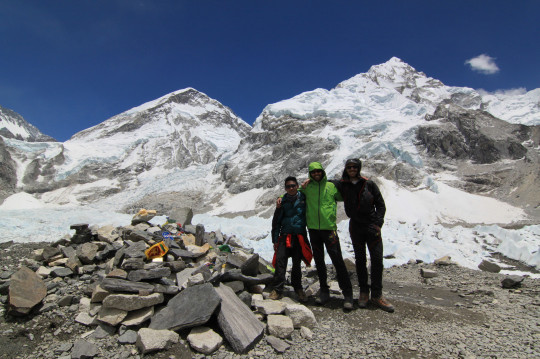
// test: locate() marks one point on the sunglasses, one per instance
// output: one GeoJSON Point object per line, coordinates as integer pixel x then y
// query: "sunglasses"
{"type": "Point", "coordinates": [316, 171]}
{"type": "Point", "coordinates": [351, 167]}
{"type": "Point", "coordinates": [291, 186]}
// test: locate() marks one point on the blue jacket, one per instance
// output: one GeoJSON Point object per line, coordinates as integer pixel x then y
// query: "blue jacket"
{"type": "Point", "coordinates": [290, 218]}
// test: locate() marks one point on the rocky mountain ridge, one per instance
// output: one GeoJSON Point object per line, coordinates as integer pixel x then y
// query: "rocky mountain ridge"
{"type": "Point", "coordinates": [408, 128]}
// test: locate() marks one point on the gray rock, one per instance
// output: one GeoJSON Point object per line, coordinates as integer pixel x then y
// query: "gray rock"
{"type": "Point", "coordinates": [111, 316]}
{"type": "Point", "coordinates": [61, 272]}
{"type": "Point", "coordinates": [151, 340]}
{"type": "Point", "coordinates": [130, 302]}
{"type": "Point", "coordinates": [182, 215]}
{"type": "Point", "coordinates": [122, 285]}
{"type": "Point", "coordinates": [87, 253]}
{"type": "Point", "coordinates": [204, 340]}
{"type": "Point", "coordinates": [107, 234]}
{"type": "Point", "coordinates": [129, 337]}
{"type": "Point", "coordinates": [427, 273]}
{"type": "Point", "coordinates": [136, 250]}
{"type": "Point", "coordinates": [137, 317]}
{"type": "Point", "coordinates": [83, 350]}
{"type": "Point", "coordinates": [49, 253]}
{"type": "Point", "coordinates": [280, 326]}
{"type": "Point", "coordinates": [103, 331]}
{"type": "Point", "coordinates": [240, 326]}
{"type": "Point", "coordinates": [154, 273]}
{"type": "Point", "coordinates": [301, 316]}
{"type": "Point", "coordinates": [233, 275]}
{"type": "Point", "coordinates": [512, 281]}
{"type": "Point", "coordinates": [236, 285]}
{"type": "Point", "coordinates": [488, 266]}
{"type": "Point", "coordinates": [26, 290]}
{"type": "Point", "coordinates": [199, 235]}
{"type": "Point", "coordinates": [251, 266]}
{"type": "Point", "coordinates": [279, 345]}
{"type": "Point", "coordinates": [190, 308]}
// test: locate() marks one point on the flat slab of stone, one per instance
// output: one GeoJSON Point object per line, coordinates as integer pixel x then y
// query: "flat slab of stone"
{"type": "Point", "coordinates": [488, 266]}
{"type": "Point", "coordinates": [146, 274]}
{"type": "Point", "coordinates": [190, 308]}
{"type": "Point", "coordinates": [122, 285]}
{"type": "Point", "coordinates": [137, 317]}
{"type": "Point", "coordinates": [26, 290]}
{"type": "Point", "coordinates": [240, 326]}
{"type": "Point", "coordinates": [131, 302]}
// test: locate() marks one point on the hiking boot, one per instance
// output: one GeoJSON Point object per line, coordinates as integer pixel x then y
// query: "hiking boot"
{"type": "Point", "coordinates": [275, 295]}
{"type": "Point", "coordinates": [324, 297]}
{"type": "Point", "coordinates": [348, 303]}
{"type": "Point", "coordinates": [383, 304]}
{"type": "Point", "coordinates": [302, 297]}
{"type": "Point", "coordinates": [363, 300]}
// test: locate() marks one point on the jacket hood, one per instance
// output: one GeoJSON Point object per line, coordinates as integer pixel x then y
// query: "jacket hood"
{"type": "Point", "coordinates": [316, 166]}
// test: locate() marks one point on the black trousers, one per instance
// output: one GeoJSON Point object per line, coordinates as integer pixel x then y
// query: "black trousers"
{"type": "Point", "coordinates": [361, 237]}
{"type": "Point", "coordinates": [282, 257]}
{"type": "Point", "coordinates": [329, 239]}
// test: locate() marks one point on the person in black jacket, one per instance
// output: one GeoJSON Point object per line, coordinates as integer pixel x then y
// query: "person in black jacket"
{"type": "Point", "coordinates": [364, 205]}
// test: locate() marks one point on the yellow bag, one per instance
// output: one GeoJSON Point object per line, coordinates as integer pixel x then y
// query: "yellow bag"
{"type": "Point", "coordinates": [158, 250]}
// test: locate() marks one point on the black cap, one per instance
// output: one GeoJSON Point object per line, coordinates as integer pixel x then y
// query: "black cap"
{"type": "Point", "coordinates": [354, 161]}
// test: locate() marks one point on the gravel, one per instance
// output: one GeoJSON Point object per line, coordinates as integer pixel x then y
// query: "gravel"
{"type": "Point", "coordinates": [461, 313]}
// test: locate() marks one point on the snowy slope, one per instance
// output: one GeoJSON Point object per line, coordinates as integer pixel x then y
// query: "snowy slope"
{"type": "Point", "coordinates": [185, 149]}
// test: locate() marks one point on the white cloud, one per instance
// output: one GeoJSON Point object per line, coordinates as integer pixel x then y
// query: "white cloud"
{"type": "Point", "coordinates": [484, 64]}
{"type": "Point", "coordinates": [507, 92]}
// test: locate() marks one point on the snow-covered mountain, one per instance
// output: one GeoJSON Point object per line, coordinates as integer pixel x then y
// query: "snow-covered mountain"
{"type": "Point", "coordinates": [442, 155]}
{"type": "Point", "coordinates": [13, 125]}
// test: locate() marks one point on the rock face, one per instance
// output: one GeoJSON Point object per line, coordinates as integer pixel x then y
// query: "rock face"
{"type": "Point", "coordinates": [409, 127]}
{"type": "Point", "coordinates": [26, 290]}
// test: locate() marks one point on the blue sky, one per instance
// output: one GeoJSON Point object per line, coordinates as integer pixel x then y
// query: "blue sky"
{"type": "Point", "coordinates": [67, 65]}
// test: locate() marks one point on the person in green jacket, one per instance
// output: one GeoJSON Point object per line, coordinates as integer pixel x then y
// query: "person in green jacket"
{"type": "Point", "coordinates": [321, 209]}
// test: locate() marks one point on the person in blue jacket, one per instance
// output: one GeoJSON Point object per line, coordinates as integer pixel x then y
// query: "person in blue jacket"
{"type": "Point", "coordinates": [289, 236]}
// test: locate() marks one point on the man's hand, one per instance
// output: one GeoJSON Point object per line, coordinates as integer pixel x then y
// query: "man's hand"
{"type": "Point", "coordinates": [275, 246]}
{"type": "Point", "coordinates": [305, 183]}
{"type": "Point", "coordinates": [278, 202]}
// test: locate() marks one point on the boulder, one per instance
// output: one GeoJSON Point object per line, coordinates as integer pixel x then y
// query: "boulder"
{"type": "Point", "coordinates": [182, 215]}
{"type": "Point", "coordinates": [204, 340]}
{"type": "Point", "coordinates": [26, 290]}
{"type": "Point", "coordinates": [488, 266]}
{"type": "Point", "coordinates": [270, 306]}
{"type": "Point", "coordinates": [280, 326]}
{"type": "Point", "coordinates": [300, 315]}
{"type": "Point", "coordinates": [511, 281]}
{"type": "Point", "coordinates": [87, 253]}
{"type": "Point", "coordinates": [251, 266]}
{"type": "Point", "coordinates": [107, 234]}
{"type": "Point", "coordinates": [151, 340]}
{"type": "Point", "coordinates": [190, 308]}
{"type": "Point", "coordinates": [240, 326]}
{"type": "Point", "coordinates": [428, 273]}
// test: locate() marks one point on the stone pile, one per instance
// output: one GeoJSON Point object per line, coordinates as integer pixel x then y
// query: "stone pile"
{"type": "Point", "coordinates": [203, 279]}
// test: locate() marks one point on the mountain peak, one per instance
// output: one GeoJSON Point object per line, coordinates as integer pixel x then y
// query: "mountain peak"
{"type": "Point", "coordinates": [13, 125]}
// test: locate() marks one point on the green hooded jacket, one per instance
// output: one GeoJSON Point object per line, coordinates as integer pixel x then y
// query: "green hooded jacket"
{"type": "Point", "coordinates": [321, 200]}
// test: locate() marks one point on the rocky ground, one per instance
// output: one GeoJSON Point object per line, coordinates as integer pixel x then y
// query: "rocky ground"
{"type": "Point", "coordinates": [460, 313]}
